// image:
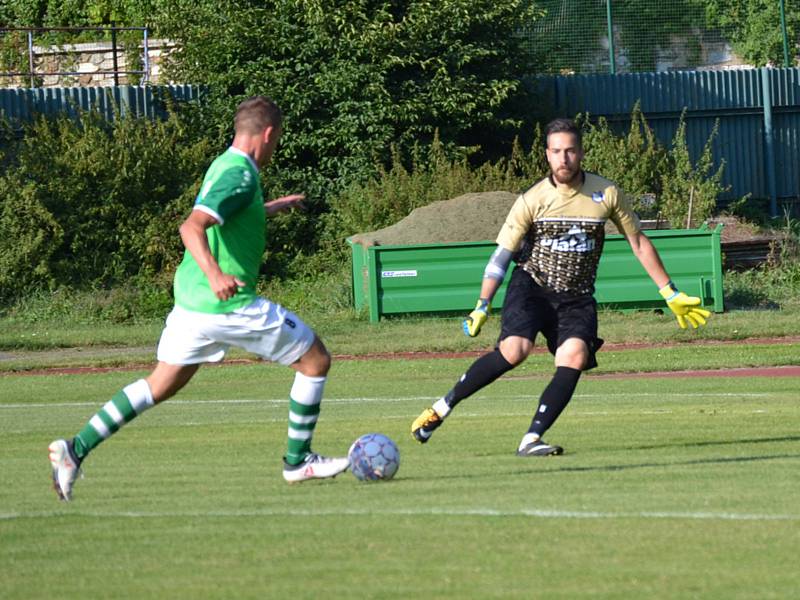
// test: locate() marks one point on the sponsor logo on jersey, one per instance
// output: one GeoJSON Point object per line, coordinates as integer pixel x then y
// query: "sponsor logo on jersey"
{"type": "Point", "coordinates": [575, 240]}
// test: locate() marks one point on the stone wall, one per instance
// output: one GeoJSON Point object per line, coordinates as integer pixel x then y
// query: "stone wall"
{"type": "Point", "coordinates": [92, 64]}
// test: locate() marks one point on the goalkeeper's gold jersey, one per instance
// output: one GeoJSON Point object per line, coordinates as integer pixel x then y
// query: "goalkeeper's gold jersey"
{"type": "Point", "coordinates": [557, 237]}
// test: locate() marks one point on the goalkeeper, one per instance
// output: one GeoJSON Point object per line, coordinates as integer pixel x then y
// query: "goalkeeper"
{"type": "Point", "coordinates": [554, 233]}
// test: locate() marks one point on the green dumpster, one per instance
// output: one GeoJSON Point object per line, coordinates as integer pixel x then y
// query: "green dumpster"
{"type": "Point", "coordinates": [424, 278]}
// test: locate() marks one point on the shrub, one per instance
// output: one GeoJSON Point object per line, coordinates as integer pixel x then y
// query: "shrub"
{"type": "Point", "coordinates": [90, 203]}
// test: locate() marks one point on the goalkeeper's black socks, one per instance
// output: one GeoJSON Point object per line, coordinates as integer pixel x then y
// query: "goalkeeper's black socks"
{"type": "Point", "coordinates": [554, 399]}
{"type": "Point", "coordinates": [480, 374]}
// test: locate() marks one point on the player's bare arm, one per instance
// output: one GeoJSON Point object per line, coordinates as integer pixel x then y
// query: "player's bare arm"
{"type": "Point", "coordinates": [686, 309]}
{"type": "Point", "coordinates": [285, 203]}
{"type": "Point", "coordinates": [648, 256]}
{"type": "Point", "coordinates": [193, 235]}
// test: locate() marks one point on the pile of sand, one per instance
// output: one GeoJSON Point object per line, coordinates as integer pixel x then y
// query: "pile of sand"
{"type": "Point", "coordinates": [468, 218]}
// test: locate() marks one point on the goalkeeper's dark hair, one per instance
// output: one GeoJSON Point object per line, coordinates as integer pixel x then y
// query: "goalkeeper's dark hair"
{"type": "Point", "coordinates": [563, 126]}
{"type": "Point", "coordinates": [255, 114]}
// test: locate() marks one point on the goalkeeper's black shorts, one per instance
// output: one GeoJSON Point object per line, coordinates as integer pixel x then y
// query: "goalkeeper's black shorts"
{"type": "Point", "coordinates": [530, 309]}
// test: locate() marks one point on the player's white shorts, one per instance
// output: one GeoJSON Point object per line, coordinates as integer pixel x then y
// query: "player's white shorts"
{"type": "Point", "coordinates": [262, 327]}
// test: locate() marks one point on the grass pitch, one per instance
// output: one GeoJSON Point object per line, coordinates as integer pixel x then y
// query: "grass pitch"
{"type": "Point", "coordinates": [668, 489]}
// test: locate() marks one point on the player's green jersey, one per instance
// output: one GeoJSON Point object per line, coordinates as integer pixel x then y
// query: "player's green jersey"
{"type": "Point", "coordinates": [231, 193]}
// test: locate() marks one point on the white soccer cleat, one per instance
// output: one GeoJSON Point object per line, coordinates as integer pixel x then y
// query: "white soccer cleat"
{"type": "Point", "coordinates": [533, 445]}
{"type": "Point", "coordinates": [66, 468]}
{"type": "Point", "coordinates": [314, 466]}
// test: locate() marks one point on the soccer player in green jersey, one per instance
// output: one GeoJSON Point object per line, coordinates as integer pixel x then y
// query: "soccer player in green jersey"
{"type": "Point", "coordinates": [554, 233]}
{"type": "Point", "coordinates": [216, 306]}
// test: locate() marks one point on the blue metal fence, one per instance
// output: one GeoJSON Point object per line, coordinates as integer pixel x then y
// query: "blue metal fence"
{"type": "Point", "coordinates": [20, 104]}
{"type": "Point", "coordinates": [758, 112]}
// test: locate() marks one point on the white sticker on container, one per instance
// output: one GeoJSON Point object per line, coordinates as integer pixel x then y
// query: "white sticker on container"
{"type": "Point", "coordinates": [386, 274]}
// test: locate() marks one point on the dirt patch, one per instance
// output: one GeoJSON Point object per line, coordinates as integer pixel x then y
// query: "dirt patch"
{"type": "Point", "coordinates": [785, 371]}
{"type": "Point", "coordinates": [467, 218]}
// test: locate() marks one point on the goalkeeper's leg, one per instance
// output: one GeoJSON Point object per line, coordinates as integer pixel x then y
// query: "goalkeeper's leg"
{"type": "Point", "coordinates": [481, 373]}
{"type": "Point", "coordinates": [571, 358]}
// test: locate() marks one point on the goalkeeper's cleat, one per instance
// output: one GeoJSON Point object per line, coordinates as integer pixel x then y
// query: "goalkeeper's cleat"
{"type": "Point", "coordinates": [539, 448]}
{"type": "Point", "coordinates": [424, 425]}
{"type": "Point", "coordinates": [66, 468]}
{"type": "Point", "coordinates": [314, 466]}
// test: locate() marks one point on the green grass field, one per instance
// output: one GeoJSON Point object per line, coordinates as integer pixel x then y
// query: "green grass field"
{"type": "Point", "coordinates": [668, 489]}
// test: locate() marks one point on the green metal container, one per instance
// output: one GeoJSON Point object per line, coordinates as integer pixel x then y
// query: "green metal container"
{"type": "Point", "coordinates": [424, 278]}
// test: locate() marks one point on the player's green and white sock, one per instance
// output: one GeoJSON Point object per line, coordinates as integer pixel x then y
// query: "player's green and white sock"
{"type": "Point", "coordinates": [304, 405]}
{"type": "Point", "coordinates": [125, 406]}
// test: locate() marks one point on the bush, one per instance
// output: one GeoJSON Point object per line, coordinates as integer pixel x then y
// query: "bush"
{"type": "Point", "coordinates": [661, 182]}
{"type": "Point", "coordinates": [89, 203]}
{"type": "Point", "coordinates": [429, 176]}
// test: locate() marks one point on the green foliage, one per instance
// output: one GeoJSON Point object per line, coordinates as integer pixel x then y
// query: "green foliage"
{"type": "Point", "coordinates": [356, 77]}
{"type": "Point", "coordinates": [430, 175]}
{"type": "Point", "coordinates": [660, 181]}
{"type": "Point", "coordinates": [572, 37]}
{"type": "Point", "coordinates": [75, 13]}
{"type": "Point", "coordinates": [92, 203]}
{"type": "Point", "coordinates": [29, 237]}
{"type": "Point", "coordinates": [754, 28]}
{"type": "Point", "coordinates": [138, 299]}
{"type": "Point", "coordinates": [685, 183]}
{"type": "Point", "coordinates": [634, 161]}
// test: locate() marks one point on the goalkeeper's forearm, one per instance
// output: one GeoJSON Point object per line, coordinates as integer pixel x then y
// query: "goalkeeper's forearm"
{"type": "Point", "coordinates": [495, 272]}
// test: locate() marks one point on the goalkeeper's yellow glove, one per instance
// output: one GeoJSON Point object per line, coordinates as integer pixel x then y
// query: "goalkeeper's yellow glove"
{"type": "Point", "coordinates": [475, 320]}
{"type": "Point", "coordinates": [686, 308]}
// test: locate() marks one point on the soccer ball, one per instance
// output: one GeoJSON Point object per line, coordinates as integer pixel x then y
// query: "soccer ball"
{"type": "Point", "coordinates": [373, 457]}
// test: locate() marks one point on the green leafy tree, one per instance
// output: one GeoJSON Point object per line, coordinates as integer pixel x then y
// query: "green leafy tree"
{"type": "Point", "coordinates": [754, 27]}
{"type": "Point", "coordinates": [355, 78]}
{"type": "Point", "coordinates": [358, 76]}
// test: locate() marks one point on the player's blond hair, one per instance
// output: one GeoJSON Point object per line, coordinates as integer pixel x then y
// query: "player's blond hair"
{"type": "Point", "coordinates": [255, 114]}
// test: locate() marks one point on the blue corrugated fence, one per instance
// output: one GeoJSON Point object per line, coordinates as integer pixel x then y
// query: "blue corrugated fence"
{"type": "Point", "coordinates": [21, 104]}
{"type": "Point", "coordinates": [735, 97]}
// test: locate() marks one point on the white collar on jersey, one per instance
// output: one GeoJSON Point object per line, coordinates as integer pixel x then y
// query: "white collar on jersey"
{"type": "Point", "coordinates": [246, 155]}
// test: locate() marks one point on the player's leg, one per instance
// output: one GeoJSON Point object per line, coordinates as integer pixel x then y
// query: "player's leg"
{"type": "Point", "coordinates": [276, 334]}
{"type": "Point", "coordinates": [131, 401]}
{"type": "Point", "coordinates": [519, 326]}
{"type": "Point", "coordinates": [182, 347]}
{"type": "Point", "coordinates": [574, 342]}
{"type": "Point", "coordinates": [571, 356]}
{"type": "Point", "coordinates": [508, 354]}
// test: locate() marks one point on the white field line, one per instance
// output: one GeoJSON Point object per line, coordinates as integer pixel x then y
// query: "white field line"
{"type": "Point", "coordinates": [369, 399]}
{"type": "Point", "coordinates": [411, 512]}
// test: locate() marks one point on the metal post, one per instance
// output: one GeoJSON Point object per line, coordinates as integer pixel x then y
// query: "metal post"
{"type": "Point", "coordinates": [30, 58]}
{"type": "Point", "coordinates": [114, 53]}
{"type": "Point", "coordinates": [146, 61]}
{"type": "Point", "coordinates": [611, 57]}
{"type": "Point", "coordinates": [769, 147]}
{"type": "Point", "coordinates": [785, 35]}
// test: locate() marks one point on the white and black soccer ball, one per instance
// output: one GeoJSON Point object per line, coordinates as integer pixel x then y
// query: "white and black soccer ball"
{"type": "Point", "coordinates": [374, 457]}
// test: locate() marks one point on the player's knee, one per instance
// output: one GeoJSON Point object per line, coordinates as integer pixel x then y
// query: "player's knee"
{"type": "Point", "coordinates": [515, 352]}
{"type": "Point", "coordinates": [574, 354]}
{"type": "Point", "coordinates": [316, 362]}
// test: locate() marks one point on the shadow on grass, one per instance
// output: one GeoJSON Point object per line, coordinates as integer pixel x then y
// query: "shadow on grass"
{"type": "Point", "coordinates": [788, 438]}
{"type": "Point", "coordinates": [681, 463]}
{"type": "Point", "coordinates": [548, 462]}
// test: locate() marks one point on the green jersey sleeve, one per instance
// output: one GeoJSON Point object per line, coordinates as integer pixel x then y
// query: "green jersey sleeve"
{"type": "Point", "coordinates": [228, 192]}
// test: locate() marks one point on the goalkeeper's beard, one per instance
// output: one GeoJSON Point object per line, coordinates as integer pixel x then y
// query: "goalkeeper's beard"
{"type": "Point", "coordinates": [566, 175]}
